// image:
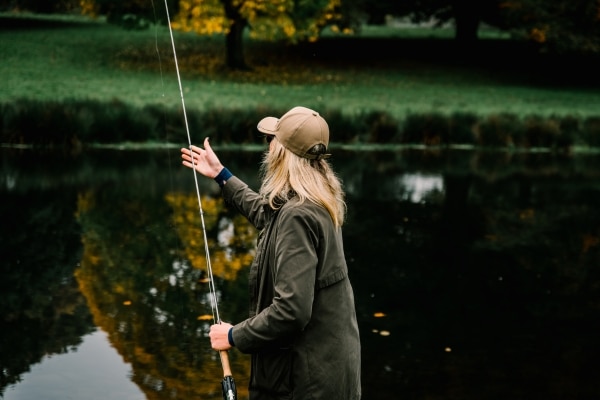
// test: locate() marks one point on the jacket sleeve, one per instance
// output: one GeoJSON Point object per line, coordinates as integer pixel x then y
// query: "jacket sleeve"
{"type": "Point", "coordinates": [246, 201]}
{"type": "Point", "coordinates": [294, 263]}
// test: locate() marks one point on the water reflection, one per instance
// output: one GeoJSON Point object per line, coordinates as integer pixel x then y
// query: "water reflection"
{"type": "Point", "coordinates": [418, 187]}
{"type": "Point", "coordinates": [84, 372]}
{"type": "Point", "coordinates": [476, 275]}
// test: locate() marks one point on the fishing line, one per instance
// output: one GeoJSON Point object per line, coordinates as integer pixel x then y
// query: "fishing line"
{"type": "Point", "coordinates": [228, 383]}
{"type": "Point", "coordinates": [211, 281]}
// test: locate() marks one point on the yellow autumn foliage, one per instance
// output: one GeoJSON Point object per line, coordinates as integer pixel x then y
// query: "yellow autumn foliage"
{"type": "Point", "coordinates": [268, 20]}
{"type": "Point", "coordinates": [538, 34]}
{"type": "Point", "coordinates": [88, 7]}
{"type": "Point", "coordinates": [225, 261]}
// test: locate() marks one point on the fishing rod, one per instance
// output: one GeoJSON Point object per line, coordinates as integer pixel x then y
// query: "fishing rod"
{"type": "Point", "coordinates": [228, 383]}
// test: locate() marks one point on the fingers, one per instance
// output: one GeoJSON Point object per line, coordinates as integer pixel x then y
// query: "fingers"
{"type": "Point", "coordinates": [185, 153]}
{"type": "Point", "coordinates": [186, 157]}
{"type": "Point", "coordinates": [197, 149]}
{"type": "Point", "coordinates": [207, 145]}
{"type": "Point", "coordinates": [195, 152]}
{"type": "Point", "coordinates": [218, 336]}
{"type": "Point", "coordinates": [205, 161]}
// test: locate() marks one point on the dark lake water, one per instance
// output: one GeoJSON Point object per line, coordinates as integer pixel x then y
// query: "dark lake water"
{"type": "Point", "coordinates": [476, 274]}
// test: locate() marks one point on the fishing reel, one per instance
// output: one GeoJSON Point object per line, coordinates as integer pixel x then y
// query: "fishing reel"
{"type": "Point", "coordinates": [229, 389]}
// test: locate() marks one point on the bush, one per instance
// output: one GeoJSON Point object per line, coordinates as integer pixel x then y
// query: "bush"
{"type": "Point", "coordinates": [569, 130]}
{"type": "Point", "coordinates": [461, 128]}
{"type": "Point", "coordinates": [427, 129]}
{"type": "Point", "coordinates": [76, 122]}
{"type": "Point", "coordinates": [540, 132]}
{"type": "Point", "coordinates": [592, 131]}
{"type": "Point", "coordinates": [39, 123]}
{"type": "Point", "coordinates": [119, 123]}
{"type": "Point", "coordinates": [382, 128]}
{"type": "Point", "coordinates": [345, 129]}
{"type": "Point", "coordinates": [500, 130]}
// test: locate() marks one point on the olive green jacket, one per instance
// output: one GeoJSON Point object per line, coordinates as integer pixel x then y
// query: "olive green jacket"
{"type": "Point", "coordinates": [302, 330]}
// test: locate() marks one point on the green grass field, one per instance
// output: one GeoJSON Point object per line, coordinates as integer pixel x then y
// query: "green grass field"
{"type": "Point", "coordinates": [75, 58]}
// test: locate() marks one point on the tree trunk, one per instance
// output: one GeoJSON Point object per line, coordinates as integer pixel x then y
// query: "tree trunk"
{"type": "Point", "coordinates": [234, 43]}
{"type": "Point", "coordinates": [234, 40]}
{"type": "Point", "coordinates": [466, 18]}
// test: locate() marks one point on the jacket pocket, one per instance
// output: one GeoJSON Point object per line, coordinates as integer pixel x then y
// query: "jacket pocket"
{"type": "Point", "coordinates": [272, 373]}
{"type": "Point", "coordinates": [333, 277]}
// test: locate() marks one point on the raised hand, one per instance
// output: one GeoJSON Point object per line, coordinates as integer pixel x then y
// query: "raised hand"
{"type": "Point", "coordinates": [205, 161]}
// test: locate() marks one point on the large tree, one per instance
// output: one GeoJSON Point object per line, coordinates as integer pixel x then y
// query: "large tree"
{"type": "Point", "coordinates": [558, 26]}
{"type": "Point", "coordinates": [289, 20]}
{"type": "Point", "coordinates": [466, 16]}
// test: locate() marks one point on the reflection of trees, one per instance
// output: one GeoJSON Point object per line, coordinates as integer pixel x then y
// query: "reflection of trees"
{"type": "Point", "coordinates": [42, 311]}
{"type": "Point", "coordinates": [145, 286]}
{"type": "Point", "coordinates": [502, 268]}
{"type": "Point", "coordinates": [524, 292]}
{"type": "Point", "coordinates": [229, 238]}
{"type": "Point", "coordinates": [490, 293]}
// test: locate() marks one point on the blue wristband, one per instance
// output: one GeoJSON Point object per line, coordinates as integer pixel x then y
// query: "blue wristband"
{"type": "Point", "coordinates": [230, 337]}
{"type": "Point", "coordinates": [223, 176]}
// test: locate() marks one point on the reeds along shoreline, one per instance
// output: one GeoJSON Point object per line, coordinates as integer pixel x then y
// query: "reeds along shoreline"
{"type": "Point", "coordinates": [78, 123]}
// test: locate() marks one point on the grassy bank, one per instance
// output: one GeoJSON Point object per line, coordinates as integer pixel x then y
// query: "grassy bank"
{"type": "Point", "coordinates": [376, 88]}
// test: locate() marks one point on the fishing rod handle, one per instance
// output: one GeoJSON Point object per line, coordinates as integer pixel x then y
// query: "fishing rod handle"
{"type": "Point", "coordinates": [225, 362]}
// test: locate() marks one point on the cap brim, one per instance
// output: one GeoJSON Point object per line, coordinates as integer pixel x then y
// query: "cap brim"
{"type": "Point", "coordinates": [268, 125]}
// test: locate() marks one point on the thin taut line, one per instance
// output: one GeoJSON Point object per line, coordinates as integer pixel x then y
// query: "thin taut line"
{"type": "Point", "coordinates": [213, 293]}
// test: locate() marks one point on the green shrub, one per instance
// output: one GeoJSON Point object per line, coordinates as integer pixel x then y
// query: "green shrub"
{"type": "Point", "coordinates": [112, 124]}
{"type": "Point", "coordinates": [160, 121]}
{"type": "Point", "coordinates": [76, 122]}
{"type": "Point", "coordinates": [592, 131]}
{"type": "Point", "coordinates": [39, 123]}
{"type": "Point", "coordinates": [461, 128]}
{"type": "Point", "coordinates": [382, 128]}
{"type": "Point", "coordinates": [346, 129]}
{"type": "Point", "coordinates": [540, 132]}
{"type": "Point", "coordinates": [499, 130]}
{"type": "Point", "coordinates": [569, 130]}
{"type": "Point", "coordinates": [429, 129]}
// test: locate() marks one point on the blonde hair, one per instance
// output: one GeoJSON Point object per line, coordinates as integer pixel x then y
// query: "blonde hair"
{"type": "Point", "coordinates": [285, 175]}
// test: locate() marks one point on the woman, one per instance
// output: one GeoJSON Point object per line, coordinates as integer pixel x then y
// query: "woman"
{"type": "Point", "coordinates": [302, 332]}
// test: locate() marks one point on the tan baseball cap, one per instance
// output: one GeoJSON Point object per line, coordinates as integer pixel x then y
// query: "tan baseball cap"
{"type": "Point", "coordinates": [298, 130]}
